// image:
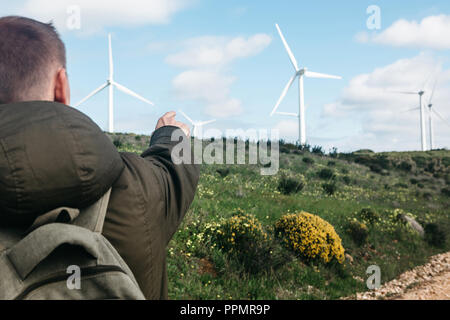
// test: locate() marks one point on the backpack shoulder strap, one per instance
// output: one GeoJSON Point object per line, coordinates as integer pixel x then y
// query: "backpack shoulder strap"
{"type": "Point", "coordinates": [93, 217]}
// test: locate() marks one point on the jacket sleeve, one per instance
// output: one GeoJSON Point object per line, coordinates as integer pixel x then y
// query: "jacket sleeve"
{"type": "Point", "coordinates": [177, 183]}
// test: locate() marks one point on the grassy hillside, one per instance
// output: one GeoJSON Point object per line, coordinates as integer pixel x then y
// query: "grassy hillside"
{"type": "Point", "coordinates": [370, 188]}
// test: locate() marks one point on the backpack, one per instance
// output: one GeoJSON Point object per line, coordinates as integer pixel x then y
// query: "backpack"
{"type": "Point", "coordinates": [64, 256]}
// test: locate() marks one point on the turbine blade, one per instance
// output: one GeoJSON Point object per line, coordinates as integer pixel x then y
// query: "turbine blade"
{"type": "Point", "coordinates": [93, 93]}
{"type": "Point", "coordinates": [311, 74]}
{"type": "Point", "coordinates": [131, 93]}
{"type": "Point", "coordinates": [441, 116]}
{"type": "Point", "coordinates": [206, 122]}
{"type": "Point", "coordinates": [402, 92]}
{"type": "Point", "coordinates": [283, 94]}
{"type": "Point", "coordinates": [409, 110]}
{"type": "Point", "coordinates": [286, 46]}
{"type": "Point", "coordinates": [111, 63]}
{"type": "Point", "coordinates": [424, 85]}
{"type": "Point", "coordinates": [432, 92]}
{"type": "Point", "coordinates": [287, 114]}
{"type": "Point", "coordinates": [185, 115]}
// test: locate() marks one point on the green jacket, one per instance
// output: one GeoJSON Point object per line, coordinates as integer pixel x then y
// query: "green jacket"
{"type": "Point", "coordinates": [52, 155]}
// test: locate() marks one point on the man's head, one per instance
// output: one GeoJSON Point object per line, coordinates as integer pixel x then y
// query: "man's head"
{"type": "Point", "coordinates": [32, 62]}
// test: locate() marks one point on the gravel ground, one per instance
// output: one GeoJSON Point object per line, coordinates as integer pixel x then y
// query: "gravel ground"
{"type": "Point", "coordinates": [428, 282]}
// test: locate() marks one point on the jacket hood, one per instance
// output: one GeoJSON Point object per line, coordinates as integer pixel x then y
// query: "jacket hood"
{"type": "Point", "coordinates": [51, 155]}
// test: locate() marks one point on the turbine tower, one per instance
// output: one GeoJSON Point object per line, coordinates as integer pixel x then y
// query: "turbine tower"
{"type": "Point", "coordinates": [430, 116]}
{"type": "Point", "coordinates": [300, 73]}
{"type": "Point", "coordinates": [196, 124]}
{"type": "Point", "coordinates": [110, 84]}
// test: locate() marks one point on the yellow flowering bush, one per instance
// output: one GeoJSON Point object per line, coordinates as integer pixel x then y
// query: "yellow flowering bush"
{"type": "Point", "coordinates": [244, 238]}
{"type": "Point", "coordinates": [310, 236]}
{"type": "Point", "coordinates": [240, 233]}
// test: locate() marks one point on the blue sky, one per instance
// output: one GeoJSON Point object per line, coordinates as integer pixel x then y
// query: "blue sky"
{"type": "Point", "coordinates": [224, 60]}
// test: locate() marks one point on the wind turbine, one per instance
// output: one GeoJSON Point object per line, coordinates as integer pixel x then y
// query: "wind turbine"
{"type": "Point", "coordinates": [300, 73]}
{"type": "Point", "coordinates": [422, 115]}
{"type": "Point", "coordinates": [110, 84]}
{"type": "Point", "coordinates": [432, 110]}
{"type": "Point", "coordinates": [196, 124]}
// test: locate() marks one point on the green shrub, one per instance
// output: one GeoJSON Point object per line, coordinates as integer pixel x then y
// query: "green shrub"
{"type": "Point", "coordinates": [405, 166]}
{"type": "Point", "coordinates": [364, 151]}
{"type": "Point", "coordinates": [414, 181]}
{"type": "Point", "coordinates": [427, 195]}
{"type": "Point", "coordinates": [358, 232]}
{"type": "Point", "coordinates": [117, 142]}
{"type": "Point", "coordinates": [438, 175]}
{"type": "Point", "coordinates": [138, 138]}
{"type": "Point", "coordinates": [318, 150]}
{"type": "Point", "coordinates": [431, 167]}
{"type": "Point", "coordinates": [345, 171]}
{"type": "Point", "coordinates": [435, 235]}
{"type": "Point", "coordinates": [284, 149]}
{"type": "Point", "coordinates": [290, 183]}
{"type": "Point", "coordinates": [243, 238]}
{"type": "Point", "coordinates": [446, 161]}
{"type": "Point", "coordinates": [420, 161]}
{"type": "Point", "coordinates": [346, 180]}
{"type": "Point", "coordinates": [334, 152]}
{"type": "Point", "coordinates": [368, 215]}
{"type": "Point", "coordinates": [401, 185]}
{"type": "Point", "coordinates": [310, 236]}
{"type": "Point", "coordinates": [326, 174]}
{"type": "Point", "coordinates": [329, 188]}
{"type": "Point", "coordinates": [446, 191]}
{"type": "Point", "coordinates": [368, 160]}
{"type": "Point", "coordinates": [331, 163]}
{"type": "Point", "coordinates": [376, 168]}
{"type": "Point", "coordinates": [308, 160]}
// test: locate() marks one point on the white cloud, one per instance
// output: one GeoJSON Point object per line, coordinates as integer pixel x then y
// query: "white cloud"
{"type": "Point", "coordinates": [210, 87]}
{"type": "Point", "coordinates": [239, 11]}
{"type": "Point", "coordinates": [205, 80]}
{"type": "Point", "coordinates": [432, 32]}
{"type": "Point", "coordinates": [362, 37]}
{"type": "Point", "coordinates": [371, 89]}
{"type": "Point", "coordinates": [288, 129]}
{"type": "Point", "coordinates": [215, 52]}
{"type": "Point", "coordinates": [99, 14]}
{"type": "Point", "coordinates": [199, 84]}
{"type": "Point", "coordinates": [227, 108]}
{"type": "Point", "coordinates": [383, 117]}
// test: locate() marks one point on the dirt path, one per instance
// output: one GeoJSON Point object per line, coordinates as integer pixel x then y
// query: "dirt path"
{"type": "Point", "coordinates": [428, 282]}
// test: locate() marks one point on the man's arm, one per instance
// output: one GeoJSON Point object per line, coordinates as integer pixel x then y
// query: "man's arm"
{"type": "Point", "coordinates": [177, 182]}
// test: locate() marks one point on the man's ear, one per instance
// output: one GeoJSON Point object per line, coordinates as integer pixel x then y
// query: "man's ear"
{"type": "Point", "coordinates": [62, 89]}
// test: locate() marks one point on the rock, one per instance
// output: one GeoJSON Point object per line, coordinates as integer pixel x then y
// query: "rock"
{"type": "Point", "coordinates": [349, 258]}
{"type": "Point", "coordinates": [412, 223]}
